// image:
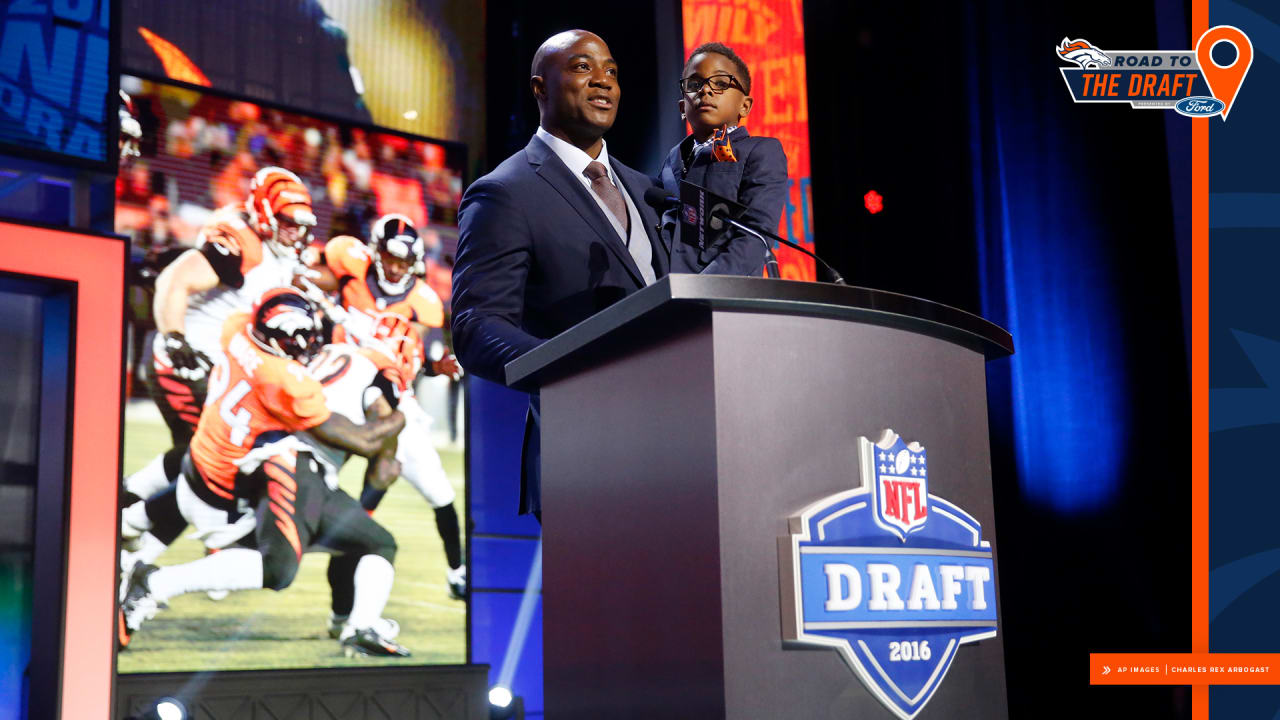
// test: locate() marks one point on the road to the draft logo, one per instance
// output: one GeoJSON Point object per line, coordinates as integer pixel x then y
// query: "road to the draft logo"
{"type": "Point", "coordinates": [1188, 81]}
{"type": "Point", "coordinates": [892, 577]}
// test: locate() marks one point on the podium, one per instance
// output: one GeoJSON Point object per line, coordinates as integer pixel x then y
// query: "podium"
{"type": "Point", "coordinates": [681, 428]}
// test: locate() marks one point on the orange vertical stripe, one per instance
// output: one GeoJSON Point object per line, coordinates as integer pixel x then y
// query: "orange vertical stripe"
{"type": "Point", "coordinates": [1199, 381]}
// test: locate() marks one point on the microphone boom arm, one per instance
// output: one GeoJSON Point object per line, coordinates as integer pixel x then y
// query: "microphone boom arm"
{"type": "Point", "coordinates": [770, 261]}
{"type": "Point", "coordinates": [835, 276]}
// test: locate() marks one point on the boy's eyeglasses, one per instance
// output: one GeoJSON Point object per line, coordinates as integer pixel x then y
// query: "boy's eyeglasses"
{"type": "Point", "coordinates": [718, 83]}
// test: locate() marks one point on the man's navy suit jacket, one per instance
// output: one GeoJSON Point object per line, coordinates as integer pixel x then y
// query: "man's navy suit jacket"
{"type": "Point", "coordinates": [757, 180]}
{"type": "Point", "coordinates": [536, 256]}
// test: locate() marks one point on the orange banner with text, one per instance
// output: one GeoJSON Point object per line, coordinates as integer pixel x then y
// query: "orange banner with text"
{"type": "Point", "coordinates": [769, 36]}
{"type": "Point", "coordinates": [1184, 669]}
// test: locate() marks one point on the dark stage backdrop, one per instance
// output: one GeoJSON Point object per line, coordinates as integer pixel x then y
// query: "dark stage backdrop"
{"type": "Point", "coordinates": [645, 40]}
{"type": "Point", "coordinates": [1055, 221]}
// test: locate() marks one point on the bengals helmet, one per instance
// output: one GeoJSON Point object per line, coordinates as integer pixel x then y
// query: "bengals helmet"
{"type": "Point", "coordinates": [394, 237]}
{"type": "Point", "coordinates": [395, 336]}
{"type": "Point", "coordinates": [277, 197]}
{"type": "Point", "coordinates": [286, 324]}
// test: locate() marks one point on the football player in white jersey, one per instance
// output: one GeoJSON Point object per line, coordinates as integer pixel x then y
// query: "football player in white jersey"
{"type": "Point", "coordinates": [380, 278]}
{"type": "Point", "coordinates": [359, 382]}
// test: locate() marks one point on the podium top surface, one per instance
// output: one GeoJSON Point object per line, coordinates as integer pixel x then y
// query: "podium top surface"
{"type": "Point", "coordinates": [760, 295]}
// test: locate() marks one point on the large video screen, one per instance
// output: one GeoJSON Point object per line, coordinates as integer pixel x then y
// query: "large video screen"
{"type": "Point", "coordinates": [223, 496]}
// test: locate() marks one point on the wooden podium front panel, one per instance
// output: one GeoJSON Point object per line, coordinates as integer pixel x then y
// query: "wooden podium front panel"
{"type": "Point", "coordinates": [631, 584]}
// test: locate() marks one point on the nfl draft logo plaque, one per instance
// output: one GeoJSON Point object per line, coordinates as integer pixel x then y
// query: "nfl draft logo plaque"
{"type": "Point", "coordinates": [891, 577]}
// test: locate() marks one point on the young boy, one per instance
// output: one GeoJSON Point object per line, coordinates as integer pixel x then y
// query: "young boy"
{"type": "Point", "coordinates": [715, 90]}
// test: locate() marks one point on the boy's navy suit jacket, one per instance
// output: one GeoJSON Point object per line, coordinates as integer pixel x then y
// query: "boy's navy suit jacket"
{"type": "Point", "coordinates": [757, 180]}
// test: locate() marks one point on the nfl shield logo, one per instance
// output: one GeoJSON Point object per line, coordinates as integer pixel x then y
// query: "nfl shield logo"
{"type": "Point", "coordinates": [902, 489]}
{"type": "Point", "coordinates": [690, 214]}
{"type": "Point", "coordinates": [892, 578]}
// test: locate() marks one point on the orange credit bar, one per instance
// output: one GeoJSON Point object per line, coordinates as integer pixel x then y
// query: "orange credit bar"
{"type": "Point", "coordinates": [1184, 669]}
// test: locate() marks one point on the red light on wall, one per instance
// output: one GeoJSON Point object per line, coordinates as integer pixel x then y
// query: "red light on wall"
{"type": "Point", "coordinates": [873, 201]}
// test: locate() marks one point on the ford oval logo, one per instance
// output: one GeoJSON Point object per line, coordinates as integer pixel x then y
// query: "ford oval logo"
{"type": "Point", "coordinates": [1199, 106]}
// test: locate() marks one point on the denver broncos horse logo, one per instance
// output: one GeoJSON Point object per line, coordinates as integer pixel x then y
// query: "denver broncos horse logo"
{"type": "Point", "coordinates": [1083, 54]}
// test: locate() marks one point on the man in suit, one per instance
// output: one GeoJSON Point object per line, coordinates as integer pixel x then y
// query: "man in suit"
{"type": "Point", "coordinates": [554, 234]}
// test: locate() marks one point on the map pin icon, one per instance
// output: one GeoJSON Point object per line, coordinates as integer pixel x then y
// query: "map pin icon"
{"type": "Point", "coordinates": [1224, 80]}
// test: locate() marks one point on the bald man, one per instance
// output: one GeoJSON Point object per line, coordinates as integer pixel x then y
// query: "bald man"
{"type": "Point", "coordinates": [556, 233]}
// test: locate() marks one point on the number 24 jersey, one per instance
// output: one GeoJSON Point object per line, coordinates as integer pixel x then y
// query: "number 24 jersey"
{"type": "Point", "coordinates": [254, 398]}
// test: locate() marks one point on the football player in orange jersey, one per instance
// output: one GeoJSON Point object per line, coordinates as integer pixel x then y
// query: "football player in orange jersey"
{"type": "Point", "coordinates": [379, 279]}
{"type": "Point", "coordinates": [382, 276]}
{"type": "Point", "coordinates": [243, 250]}
{"type": "Point", "coordinates": [244, 454]}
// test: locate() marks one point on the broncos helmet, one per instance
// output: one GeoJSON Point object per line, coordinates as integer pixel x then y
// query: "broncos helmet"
{"type": "Point", "coordinates": [286, 324]}
{"type": "Point", "coordinates": [395, 235]}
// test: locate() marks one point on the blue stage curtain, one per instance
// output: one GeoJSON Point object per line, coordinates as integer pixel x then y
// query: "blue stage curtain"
{"type": "Point", "coordinates": [1046, 201]}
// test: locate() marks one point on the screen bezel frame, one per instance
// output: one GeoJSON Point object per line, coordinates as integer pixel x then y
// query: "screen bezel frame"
{"type": "Point", "coordinates": [73, 675]}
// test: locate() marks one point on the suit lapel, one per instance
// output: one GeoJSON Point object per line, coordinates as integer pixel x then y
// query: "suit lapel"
{"type": "Point", "coordinates": [648, 217]}
{"type": "Point", "coordinates": [550, 168]}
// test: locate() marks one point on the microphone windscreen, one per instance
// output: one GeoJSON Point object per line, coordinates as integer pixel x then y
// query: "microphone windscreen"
{"type": "Point", "coordinates": [658, 199]}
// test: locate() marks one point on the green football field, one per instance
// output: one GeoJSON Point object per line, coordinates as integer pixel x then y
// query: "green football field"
{"type": "Point", "coordinates": [289, 629]}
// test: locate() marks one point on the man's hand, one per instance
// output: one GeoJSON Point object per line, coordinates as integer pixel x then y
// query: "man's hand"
{"type": "Point", "coordinates": [188, 363]}
{"type": "Point", "coordinates": [382, 471]}
{"type": "Point", "coordinates": [447, 365]}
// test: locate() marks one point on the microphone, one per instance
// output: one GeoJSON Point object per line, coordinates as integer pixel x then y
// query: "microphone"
{"type": "Point", "coordinates": [658, 199]}
{"type": "Point", "coordinates": [721, 213]}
